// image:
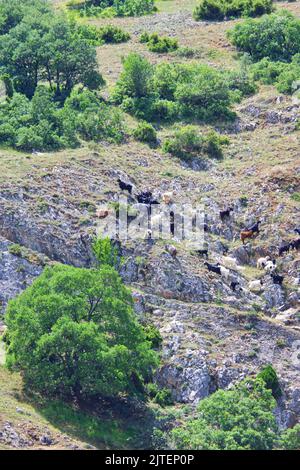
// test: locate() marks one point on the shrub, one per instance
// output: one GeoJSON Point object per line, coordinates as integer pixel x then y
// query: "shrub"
{"type": "Point", "coordinates": [238, 419]}
{"type": "Point", "coordinates": [205, 95]}
{"type": "Point", "coordinates": [145, 132]}
{"type": "Point", "coordinates": [284, 76]}
{"type": "Point", "coordinates": [153, 335]}
{"type": "Point", "coordinates": [82, 338]}
{"type": "Point", "coordinates": [98, 36]}
{"type": "Point", "coordinates": [105, 253]}
{"type": "Point", "coordinates": [218, 10]}
{"type": "Point", "coordinates": [43, 124]}
{"type": "Point", "coordinates": [275, 36]}
{"type": "Point", "coordinates": [109, 8]}
{"type": "Point", "coordinates": [187, 143]}
{"type": "Point", "coordinates": [269, 376]}
{"type": "Point", "coordinates": [158, 43]}
{"type": "Point", "coordinates": [113, 34]}
{"type": "Point", "coordinates": [212, 10]}
{"type": "Point", "coordinates": [164, 397]}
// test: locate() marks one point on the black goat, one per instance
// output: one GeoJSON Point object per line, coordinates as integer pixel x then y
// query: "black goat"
{"type": "Point", "coordinates": [295, 244]}
{"type": "Point", "coordinates": [213, 268]}
{"type": "Point", "coordinates": [125, 186]}
{"type": "Point", "coordinates": [146, 198]}
{"type": "Point", "coordinates": [203, 252]}
{"type": "Point", "coordinates": [226, 213]}
{"type": "Point", "coordinates": [234, 285]}
{"type": "Point", "coordinates": [284, 248]}
{"type": "Point", "coordinates": [277, 279]}
{"type": "Point", "coordinates": [255, 228]}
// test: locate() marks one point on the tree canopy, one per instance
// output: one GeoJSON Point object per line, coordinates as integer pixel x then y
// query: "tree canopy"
{"type": "Point", "coordinates": [73, 333]}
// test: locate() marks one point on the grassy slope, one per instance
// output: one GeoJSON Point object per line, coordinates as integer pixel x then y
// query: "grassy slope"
{"type": "Point", "coordinates": [268, 150]}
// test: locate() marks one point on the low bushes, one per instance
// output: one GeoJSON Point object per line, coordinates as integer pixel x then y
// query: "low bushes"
{"type": "Point", "coordinates": [218, 10]}
{"type": "Point", "coordinates": [110, 8]}
{"type": "Point", "coordinates": [159, 44]}
{"type": "Point", "coordinates": [177, 91]}
{"type": "Point", "coordinates": [106, 34]}
{"type": "Point", "coordinates": [187, 143]}
{"type": "Point", "coordinates": [145, 132]}
{"type": "Point", "coordinates": [286, 77]}
{"type": "Point", "coordinates": [275, 36]}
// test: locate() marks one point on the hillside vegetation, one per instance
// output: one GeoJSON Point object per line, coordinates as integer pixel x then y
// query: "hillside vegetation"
{"type": "Point", "coordinates": [149, 343]}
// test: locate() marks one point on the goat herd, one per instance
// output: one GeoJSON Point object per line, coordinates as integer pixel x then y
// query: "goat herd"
{"type": "Point", "coordinates": [268, 265]}
{"type": "Point", "coordinates": [227, 264]}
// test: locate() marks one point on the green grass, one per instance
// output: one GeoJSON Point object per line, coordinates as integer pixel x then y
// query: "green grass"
{"type": "Point", "coordinates": [84, 427]}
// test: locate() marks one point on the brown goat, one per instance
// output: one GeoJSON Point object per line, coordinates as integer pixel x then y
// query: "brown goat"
{"type": "Point", "coordinates": [246, 234]}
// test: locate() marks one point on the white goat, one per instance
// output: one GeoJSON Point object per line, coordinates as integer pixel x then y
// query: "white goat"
{"type": "Point", "coordinates": [270, 267]}
{"type": "Point", "coordinates": [261, 262]}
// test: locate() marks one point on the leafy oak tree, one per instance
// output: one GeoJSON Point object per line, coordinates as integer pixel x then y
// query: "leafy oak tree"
{"type": "Point", "coordinates": [73, 334]}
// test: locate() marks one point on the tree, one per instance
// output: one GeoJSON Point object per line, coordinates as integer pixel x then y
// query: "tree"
{"type": "Point", "coordinates": [237, 419]}
{"type": "Point", "coordinates": [73, 333]}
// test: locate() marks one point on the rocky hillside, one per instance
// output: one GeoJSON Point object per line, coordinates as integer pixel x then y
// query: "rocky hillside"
{"type": "Point", "coordinates": [212, 336]}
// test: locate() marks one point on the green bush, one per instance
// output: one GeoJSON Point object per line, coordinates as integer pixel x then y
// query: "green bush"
{"type": "Point", "coordinates": [218, 10]}
{"type": "Point", "coordinates": [145, 132]}
{"type": "Point", "coordinates": [212, 10]}
{"type": "Point", "coordinates": [109, 8]}
{"type": "Point", "coordinates": [73, 334]}
{"type": "Point", "coordinates": [187, 143]}
{"type": "Point", "coordinates": [98, 36]}
{"type": "Point", "coordinates": [269, 376]}
{"type": "Point", "coordinates": [159, 44]}
{"type": "Point", "coordinates": [178, 91]}
{"type": "Point", "coordinates": [44, 124]}
{"type": "Point", "coordinates": [275, 36]}
{"type": "Point", "coordinates": [285, 76]}
{"type": "Point", "coordinates": [153, 335]}
{"type": "Point", "coordinates": [238, 419]}
{"type": "Point", "coordinates": [105, 253]}
{"type": "Point", "coordinates": [164, 397]}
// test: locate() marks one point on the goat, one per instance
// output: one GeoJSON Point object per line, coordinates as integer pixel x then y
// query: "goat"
{"type": "Point", "coordinates": [226, 213]}
{"type": "Point", "coordinates": [203, 252]}
{"type": "Point", "coordinates": [255, 228]}
{"type": "Point", "coordinates": [295, 245]}
{"type": "Point", "coordinates": [225, 273]}
{"type": "Point", "coordinates": [270, 266]}
{"type": "Point", "coordinates": [297, 230]}
{"type": "Point", "coordinates": [261, 262]}
{"type": "Point", "coordinates": [102, 213]}
{"type": "Point", "coordinates": [125, 186]}
{"type": "Point", "coordinates": [284, 248]}
{"type": "Point", "coordinates": [229, 263]}
{"type": "Point", "coordinates": [213, 268]}
{"type": "Point", "coordinates": [235, 286]}
{"type": "Point", "coordinates": [146, 198]}
{"type": "Point", "coordinates": [277, 279]}
{"type": "Point", "coordinates": [172, 250]}
{"type": "Point", "coordinates": [167, 198]}
{"type": "Point", "coordinates": [246, 234]}
{"type": "Point", "coordinates": [256, 286]}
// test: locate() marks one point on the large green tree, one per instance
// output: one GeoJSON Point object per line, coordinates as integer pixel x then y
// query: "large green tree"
{"type": "Point", "coordinates": [45, 47]}
{"type": "Point", "coordinates": [73, 333]}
